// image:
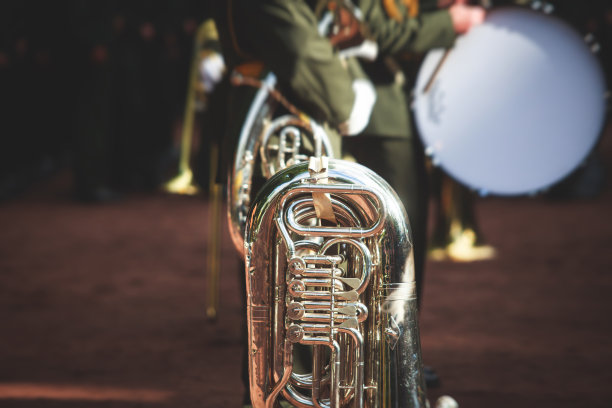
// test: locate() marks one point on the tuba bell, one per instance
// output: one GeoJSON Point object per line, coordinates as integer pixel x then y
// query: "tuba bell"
{"type": "Point", "coordinates": [343, 287]}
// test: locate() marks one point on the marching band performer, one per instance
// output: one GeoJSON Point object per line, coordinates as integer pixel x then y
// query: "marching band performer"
{"type": "Point", "coordinates": [389, 145]}
{"type": "Point", "coordinates": [285, 37]}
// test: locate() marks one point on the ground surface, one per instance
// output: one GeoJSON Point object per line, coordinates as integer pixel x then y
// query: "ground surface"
{"type": "Point", "coordinates": [104, 306]}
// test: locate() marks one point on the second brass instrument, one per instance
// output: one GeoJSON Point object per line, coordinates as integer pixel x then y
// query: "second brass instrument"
{"type": "Point", "coordinates": [271, 142]}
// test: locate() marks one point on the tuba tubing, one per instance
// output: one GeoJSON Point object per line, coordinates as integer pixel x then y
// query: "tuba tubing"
{"type": "Point", "coordinates": [255, 147]}
{"type": "Point", "coordinates": [347, 291]}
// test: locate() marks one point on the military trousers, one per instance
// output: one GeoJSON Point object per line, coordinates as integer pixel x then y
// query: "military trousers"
{"type": "Point", "coordinates": [401, 162]}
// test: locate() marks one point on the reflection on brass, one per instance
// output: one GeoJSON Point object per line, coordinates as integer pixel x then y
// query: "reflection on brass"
{"type": "Point", "coordinates": [345, 292]}
{"type": "Point", "coordinates": [268, 141]}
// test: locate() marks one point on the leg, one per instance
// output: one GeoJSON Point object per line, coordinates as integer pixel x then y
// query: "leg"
{"type": "Point", "coordinates": [400, 161]}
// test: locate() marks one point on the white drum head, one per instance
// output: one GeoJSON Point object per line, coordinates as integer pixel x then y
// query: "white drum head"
{"type": "Point", "coordinates": [515, 106]}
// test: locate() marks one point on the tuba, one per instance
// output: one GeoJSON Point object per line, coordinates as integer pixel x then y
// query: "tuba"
{"type": "Point", "coordinates": [270, 140]}
{"type": "Point", "coordinates": [329, 268]}
{"type": "Point", "coordinates": [343, 287]}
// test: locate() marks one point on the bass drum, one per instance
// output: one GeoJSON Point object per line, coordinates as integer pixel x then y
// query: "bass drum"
{"type": "Point", "coordinates": [514, 107]}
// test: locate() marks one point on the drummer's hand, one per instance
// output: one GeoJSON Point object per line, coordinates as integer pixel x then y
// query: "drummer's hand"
{"type": "Point", "coordinates": [465, 17]}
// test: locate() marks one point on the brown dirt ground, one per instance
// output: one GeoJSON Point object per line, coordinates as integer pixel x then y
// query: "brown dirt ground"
{"type": "Point", "coordinates": [104, 306]}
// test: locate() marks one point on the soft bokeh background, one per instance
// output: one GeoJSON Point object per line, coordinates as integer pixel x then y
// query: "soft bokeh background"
{"type": "Point", "coordinates": [103, 298]}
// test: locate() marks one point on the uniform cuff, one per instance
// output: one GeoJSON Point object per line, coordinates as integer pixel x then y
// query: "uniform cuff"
{"type": "Point", "coordinates": [436, 31]}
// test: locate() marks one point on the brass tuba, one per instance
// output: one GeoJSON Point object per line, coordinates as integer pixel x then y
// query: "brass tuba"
{"type": "Point", "coordinates": [329, 267]}
{"type": "Point", "coordinates": [345, 288]}
{"type": "Point", "coordinates": [271, 141]}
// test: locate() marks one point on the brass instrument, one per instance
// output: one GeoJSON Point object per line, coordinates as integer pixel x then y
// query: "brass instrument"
{"type": "Point", "coordinates": [345, 288]}
{"type": "Point", "coordinates": [183, 182]}
{"type": "Point", "coordinates": [270, 141]}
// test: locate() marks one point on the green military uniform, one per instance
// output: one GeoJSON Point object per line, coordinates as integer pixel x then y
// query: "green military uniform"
{"type": "Point", "coordinates": [284, 35]}
{"type": "Point", "coordinates": [388, 145]}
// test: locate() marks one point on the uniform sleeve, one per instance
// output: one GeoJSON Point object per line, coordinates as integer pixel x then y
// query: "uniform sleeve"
{"type": "Point", "coordinates": [284, 35]}
{"type": "Point", "coordinates": [429, 30]}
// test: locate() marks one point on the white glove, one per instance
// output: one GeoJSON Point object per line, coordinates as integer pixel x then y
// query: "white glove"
{"type": "Point", "coordinates": [367, 50]}
{"type": "Point", "coordinates": [212, 68]}
{"type": "Point", "coordinates": [365, 97]}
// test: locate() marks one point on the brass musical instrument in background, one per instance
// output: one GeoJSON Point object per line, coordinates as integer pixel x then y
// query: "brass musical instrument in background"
{"type": "Point", "coordinates": [183, 182]}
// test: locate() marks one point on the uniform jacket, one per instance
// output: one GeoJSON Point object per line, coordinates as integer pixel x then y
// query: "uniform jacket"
{"type": "Point", "coordinates": [284, 35]}
{"type": "Point", "coordinates": [396, 36]}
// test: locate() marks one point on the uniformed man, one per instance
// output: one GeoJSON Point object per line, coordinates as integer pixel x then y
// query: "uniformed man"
{"type": "Point", "coordinates": [284, 35]}
{"type": "Point", "coordinates": [389, 146]}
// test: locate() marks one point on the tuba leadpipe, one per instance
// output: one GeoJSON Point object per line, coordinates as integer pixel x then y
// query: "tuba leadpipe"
{"type": "Point", "coordinates": [345, 289]}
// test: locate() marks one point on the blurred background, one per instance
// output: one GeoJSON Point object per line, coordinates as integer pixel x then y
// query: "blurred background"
{"type": "Point", "coordinates": [105, 305]}
{"type": "Point", "coordinates": [99, 87]}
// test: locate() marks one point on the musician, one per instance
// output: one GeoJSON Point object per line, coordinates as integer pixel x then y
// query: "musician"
{"type": "Point", "coordinates": [284, 35]}
{"type": "Point", "coordinates": [388, 145]}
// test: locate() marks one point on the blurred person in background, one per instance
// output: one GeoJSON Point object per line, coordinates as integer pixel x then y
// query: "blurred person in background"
{"type": "Point", "coordinates": [282, 36]}
{"type": "Point", "coordinates": [389, 145]}
{"type": "Point", "coordinates": [591, 19]}
{"type": "Point", "coordinates": [36, 88]}
{"type": "Point", "coordinates": [132, 74]}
